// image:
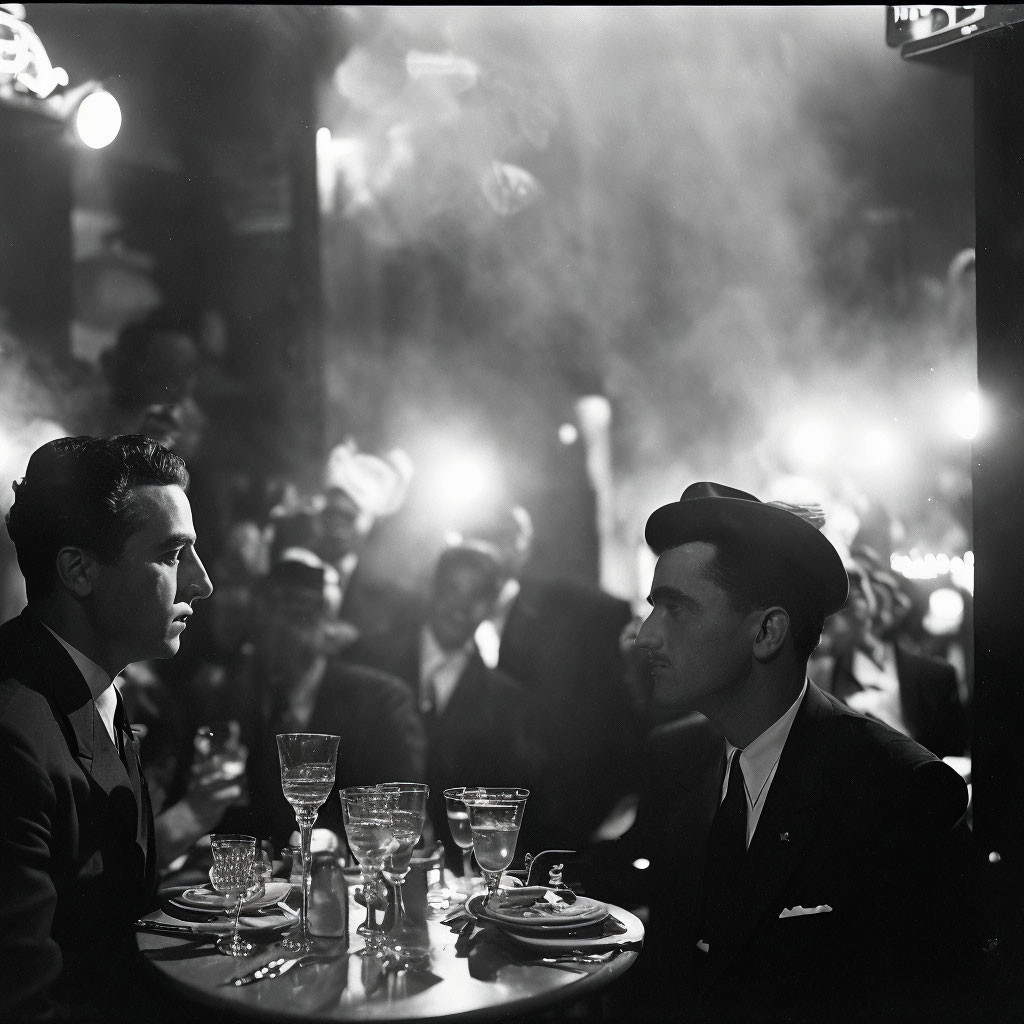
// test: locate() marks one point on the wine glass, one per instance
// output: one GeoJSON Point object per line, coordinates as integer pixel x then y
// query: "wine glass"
{"type": "Point", "coordinates": [367, 813]}
{"type": "Point", "coordinates": [235, 873]}
{"type": "Point", "coordinates": [458, 822]}
{"type": "Point", "coordinates": [408, 817]}
{"type": "Point", "coordinates": [495, 816]}
{"type": "Point", "coordinates": [219, 751]}
{"type": "Point", "coordinates": [308, 765]}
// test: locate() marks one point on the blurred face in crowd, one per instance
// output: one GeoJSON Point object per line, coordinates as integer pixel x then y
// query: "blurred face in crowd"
{"type": "Point", "coordinates": [850, 627]}
{"type": "Point", "coordinates": [699, 645]}
{"type": "Point", "coordinates": [462, 599]}
{"type": "Point", "coordinates": [291, 628]}
{"type": "Point", "coordinates": [343, 525]}
{"type": "Point", "coordinates": [139, 604]}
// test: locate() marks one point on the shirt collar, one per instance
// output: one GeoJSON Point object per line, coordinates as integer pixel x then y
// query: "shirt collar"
{"type": "Point", "coordinates": [759, 757]}
{"type": "Point", "coordinates": [433, 655]}
{"type": "Point", "coordinates": [96, 678]}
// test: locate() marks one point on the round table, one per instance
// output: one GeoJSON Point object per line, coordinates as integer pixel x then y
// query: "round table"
{"type": "Point", "coordinates": [479, 975]}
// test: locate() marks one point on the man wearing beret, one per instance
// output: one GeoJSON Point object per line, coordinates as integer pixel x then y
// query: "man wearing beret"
{"type": "Point", "coordinates": [807, 863]}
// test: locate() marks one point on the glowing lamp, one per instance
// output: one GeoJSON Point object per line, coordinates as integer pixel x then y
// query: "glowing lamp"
{"type": "Point", "coordinates": [98, 119]}
{"type": "Point", "coordinates": [967, 416]}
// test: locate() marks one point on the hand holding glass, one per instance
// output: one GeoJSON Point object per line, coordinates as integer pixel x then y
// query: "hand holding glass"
{"type": "Point", "coordinates": [495, 817]}
{"type": "Point", "coordinates": [235, 873]}
{"type": "Point", "coordinates": [308, 765]}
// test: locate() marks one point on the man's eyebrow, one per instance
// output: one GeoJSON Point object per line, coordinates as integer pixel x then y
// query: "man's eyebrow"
{"type": "Point", "coordinates": [664, 594]}
{"type": "Point", "coordinates": [177, 540]}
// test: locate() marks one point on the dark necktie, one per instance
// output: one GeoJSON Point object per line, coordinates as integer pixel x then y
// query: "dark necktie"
{"type": "Point", "coordinates": [726, 853]}
{"type": "Point", "coordinates": [120, 728]}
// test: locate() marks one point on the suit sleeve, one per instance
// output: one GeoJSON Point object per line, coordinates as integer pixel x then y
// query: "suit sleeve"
{"type": "Point", "coordinates": [28, 895]}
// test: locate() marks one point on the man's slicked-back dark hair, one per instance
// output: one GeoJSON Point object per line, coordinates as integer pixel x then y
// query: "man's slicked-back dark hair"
{"type": "Point", "coordinates": [76, 492]}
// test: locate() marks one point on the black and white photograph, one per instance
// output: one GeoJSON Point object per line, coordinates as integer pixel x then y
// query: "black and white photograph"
{"type": "Point", "coordinates": [493, 501]}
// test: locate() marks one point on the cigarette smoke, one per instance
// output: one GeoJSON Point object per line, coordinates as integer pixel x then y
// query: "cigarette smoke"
{"type": "Point", "coordinates": [721, 217]}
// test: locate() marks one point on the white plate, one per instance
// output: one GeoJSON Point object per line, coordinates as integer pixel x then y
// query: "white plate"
{"type": "Point", "coordinates": [547, 940]}
{"type": "Point", "coordinates": [541, 917]}
{"type": "Point", "coordinates": [204, 898]}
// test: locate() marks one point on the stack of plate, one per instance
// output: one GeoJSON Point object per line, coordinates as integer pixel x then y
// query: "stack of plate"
{"type": "Point", "coordinates": [205, 898]}
{"type": "Point", "coordinates": [542, 924]}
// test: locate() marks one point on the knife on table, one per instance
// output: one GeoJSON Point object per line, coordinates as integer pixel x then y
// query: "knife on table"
{"type": "Point", "coordinates": [173, 929]}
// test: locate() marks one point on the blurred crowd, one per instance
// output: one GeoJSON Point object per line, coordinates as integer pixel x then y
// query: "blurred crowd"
{"type": "Point", "coordinates": [491, 673]}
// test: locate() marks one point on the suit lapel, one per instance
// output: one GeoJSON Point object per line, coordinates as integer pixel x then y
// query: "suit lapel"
{"type": "Point", "coordinates": [55, 674]}
{"type": "Point", "coordinates": [787, 826]}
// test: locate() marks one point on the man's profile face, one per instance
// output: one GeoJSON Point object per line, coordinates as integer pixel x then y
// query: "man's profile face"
{"type": "Point", "coordinates": [139, 604]}
{"type": "Point", "coordinates": [699, 645]}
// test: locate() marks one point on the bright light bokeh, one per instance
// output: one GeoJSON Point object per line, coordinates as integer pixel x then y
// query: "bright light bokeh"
{"type": "Point", "coordinates": [812, 444]}
{"type": "Point", "coordinates": [568, 434]}
{"type": "Point", "coordinates": [98, 119]}
{"type": "Point", "coordinates": [967, 416]}
{"type": "Point", "coordinates": [458, 482]}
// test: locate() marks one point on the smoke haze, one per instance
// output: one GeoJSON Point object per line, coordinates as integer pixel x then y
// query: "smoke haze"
{"type": "Point", "coordinates": [727, 219]}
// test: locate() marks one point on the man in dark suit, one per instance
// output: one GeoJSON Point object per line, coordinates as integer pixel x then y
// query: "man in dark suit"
{"type": "Point", "coordinates": [806, 863]}
{"type": "Point", "coordinates": [104, 536]}
{"type": "Point", "coordinates": [864, 662]}
{"type": "Point", "coordinates": [480, 724]}
{"type": "Point", "coordinates": [288, 679]}
{"type": "Point", "coordinates": [560, 640]}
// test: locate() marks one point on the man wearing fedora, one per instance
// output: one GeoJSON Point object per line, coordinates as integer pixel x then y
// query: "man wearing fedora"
{"type": "Point", "coordinates": [806, 863]}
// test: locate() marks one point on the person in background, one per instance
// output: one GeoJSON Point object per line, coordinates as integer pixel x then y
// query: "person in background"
{"type": "Point", "coordinates": [288, 678]}
{"type": "Point", "coordinates": [806, 863]}
{"type": "Point", "coordinates": [560, 640]}
{"type": "Point", "coordinates": [105, 540]}
{"type": "Point", "coordinates": [481, 726]}
{"type": "Point", "coordinates": [865, 661]}
{"type": "Point", "coordinates": [183, 810]}
{"type": "Point", "coordinates": [359, 490]}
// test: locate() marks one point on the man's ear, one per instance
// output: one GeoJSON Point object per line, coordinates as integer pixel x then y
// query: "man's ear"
{"type": "Point", "coordinates": [771, 633]}
{"type": "Point", "coordinates": [74, 570]}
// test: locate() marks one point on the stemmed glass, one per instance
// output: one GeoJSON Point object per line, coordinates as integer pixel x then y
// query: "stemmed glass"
{"type": "Point", "coordinates": [308, 765]}
{"type": "Point", "coordinates": [408, 817]}
{"type": "Point", "coordinates": [234, 873]}
{"type": "Point", "coordinates": [458, 822]}
{"type": "Point", "coordinates": [367, 812]}
{"type": "Point", "coordinates": [495, 817]}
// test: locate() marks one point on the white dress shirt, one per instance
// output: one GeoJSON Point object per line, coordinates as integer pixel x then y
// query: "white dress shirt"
{"type": "Point", "coordinates": [759, 761]}
{"type": "Point", "coordinates": [440, 671]}
{"type": "Point", "coordinates": [101, 686]}
{"type": "Point", "coordinates": [879, 695]}
{"type": "Point", "coordinates": [489, 632]}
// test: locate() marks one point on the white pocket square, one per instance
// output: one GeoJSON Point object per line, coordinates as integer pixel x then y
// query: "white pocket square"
{"type": "Point", "coordinates": [824, 908]}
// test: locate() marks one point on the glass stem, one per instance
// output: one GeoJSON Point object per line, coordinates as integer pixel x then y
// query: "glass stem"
{"type": "Point", "coordinates": [399, 884]}
{"type": "Point", "coordinates": [234, 933]}
{"type": "Point", "coordinates": [467, 863]}
{"type": "Point", "coordinates": [305, 822]}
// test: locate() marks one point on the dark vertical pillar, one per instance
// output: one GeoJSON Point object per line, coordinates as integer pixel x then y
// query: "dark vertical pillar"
{"type": "Point", "coordinates": [998, 764]}
{"type": "Point", "coordinates": [35, 231]}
